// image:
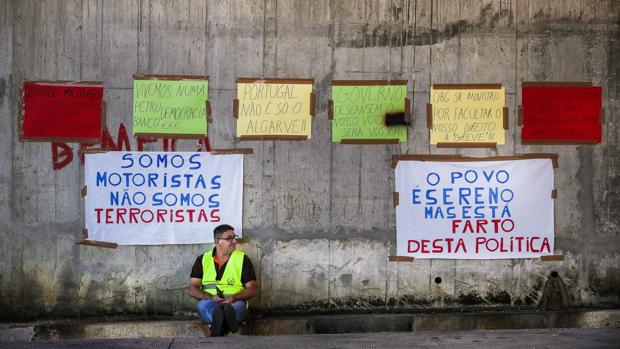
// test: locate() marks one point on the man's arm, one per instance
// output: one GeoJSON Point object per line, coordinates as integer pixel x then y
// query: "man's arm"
{"type": "Point", "coordinates": [195, 291]}
{"type": "Point", "coordinates": [247, 293]}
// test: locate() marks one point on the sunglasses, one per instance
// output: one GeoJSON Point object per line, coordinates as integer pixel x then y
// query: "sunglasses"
{"type": "Point", "coordinates": [230, 238]}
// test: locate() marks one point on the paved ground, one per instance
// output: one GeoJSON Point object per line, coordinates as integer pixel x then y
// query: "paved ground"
{"type": "Point", "coordinates": [553, 338]}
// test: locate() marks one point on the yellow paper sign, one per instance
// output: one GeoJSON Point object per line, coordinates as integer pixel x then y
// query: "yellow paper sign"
{"type": "Point", "coordinates": [267, 108]}
{"type": "Point", "coordinates": [468, 115]}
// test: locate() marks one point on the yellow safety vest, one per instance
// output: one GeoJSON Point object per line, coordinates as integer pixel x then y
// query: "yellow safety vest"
{"type": "Point", "coordinates": [231, 279]}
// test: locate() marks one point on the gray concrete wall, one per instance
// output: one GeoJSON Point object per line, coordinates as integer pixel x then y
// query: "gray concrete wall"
{"type": "Point", "coordinates": [318, 216]}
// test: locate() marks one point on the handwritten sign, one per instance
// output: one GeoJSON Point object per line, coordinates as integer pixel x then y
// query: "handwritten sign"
{"type": "Point", "coordinates": [561, 114]}
{"type": "Point", "coordinates": [274, 108]}
{"type": "Point", "coordinates": [154, 198]}
{"type": "Point", "coordinates": [359, 110]}
{"type": "Point", "coordinates": [170, 107]}
{"type": "Point", "coordinates": [62, 111]}
{"type": "Point", "coordinates": [475, 210]}
{"type": "Point", "coordinates": [467, 115]}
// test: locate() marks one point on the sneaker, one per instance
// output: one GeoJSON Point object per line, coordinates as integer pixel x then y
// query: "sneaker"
{"type": "Point", "coordinates": [218, 321]}
{"type": "Point", "coordinates": [230, 317]}
{"type": "Point", "coordinates": [206, 328]}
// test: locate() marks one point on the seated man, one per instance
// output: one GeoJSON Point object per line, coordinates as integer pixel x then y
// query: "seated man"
{"type": "Point", "coordinates": [222, 280]}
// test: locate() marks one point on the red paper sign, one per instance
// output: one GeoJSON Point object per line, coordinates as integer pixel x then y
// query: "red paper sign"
{"type": "Point", "coordinates": [561, 114]}
{"type": "Point", "coordinates": [62, 112]}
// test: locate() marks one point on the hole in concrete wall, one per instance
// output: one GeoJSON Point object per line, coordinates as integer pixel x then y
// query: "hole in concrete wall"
{"type": "Point", "coordinates": [554, 274]}
{"type": "Point", "coordinates": [438, 280]}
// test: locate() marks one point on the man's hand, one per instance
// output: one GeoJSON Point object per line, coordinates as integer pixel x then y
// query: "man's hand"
{"type": "Point", "coordinates": [229, 300]}
{"type": "Point", "coordinates": [217, 299]}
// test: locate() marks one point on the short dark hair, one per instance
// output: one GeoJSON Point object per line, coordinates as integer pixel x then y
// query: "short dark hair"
{"type": "Point", "coordinates": [220, 230]}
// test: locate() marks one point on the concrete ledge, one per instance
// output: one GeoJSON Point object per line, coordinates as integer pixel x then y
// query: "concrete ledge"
{"type": "Point", "coordinates": [351, 323]}
{"type": "Point", "coordinates": [319, 324]}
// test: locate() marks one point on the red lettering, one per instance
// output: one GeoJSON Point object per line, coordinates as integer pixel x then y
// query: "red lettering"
{"type": "Point", "coordinates": [179, 217]}
{"type": "Point", "coordinates": [191, 215]}
{"type": "Point", "coordinates": [469, 226]}
{"type": "Point", "coordinates": [437, 248]}
{"type": "Point", "coordinates": [479, 241]}
{"type": "Point", "coordinates": [455, 223]}
{"type": "Point", "coordinates": [133, 212]}
{"type": "Point", "coordinates": [98, 210]}
{"type": "Point", "coordinates": [204, 141]}
{"type": "Point", "coordinates": [107, 142]}
{"type": "Point", "coordinates": [202, 216]}
{"type": "Point", "coordinates": [170, 143]}
{"type": "Point", "coordinates": [120, 212]}
{"type": "Point", "coordinates": [413, 250]}
{"type": "Point", "coordinates": [214, 216]}
{"type": "Point", "coordinates": [160, 216]}
{"type": "Point", "coordinates": [108, 216]}
{"type": "Point", "coordinates": [512, 225]}
{"type": "Point", "coordinates": [65, 151]}
{"type": "Point", "coordinates": [480, 223]}
{"type": "Point", "coordinates": [150, 218]}
{"type": "Point", "coordinates": [83, 147]}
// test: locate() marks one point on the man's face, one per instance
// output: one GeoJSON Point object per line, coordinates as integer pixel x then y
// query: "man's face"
{"type": "Point", "coordinates": [227, 243]}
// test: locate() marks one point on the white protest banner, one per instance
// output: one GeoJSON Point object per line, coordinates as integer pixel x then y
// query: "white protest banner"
{"type": "Point", "coordinates": [475, 210]}
{"type": "Point", "coordinates": [154, 198]}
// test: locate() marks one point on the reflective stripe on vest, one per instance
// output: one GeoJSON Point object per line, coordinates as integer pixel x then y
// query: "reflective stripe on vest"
{"type": "Point", "coordinates": [231, 279]}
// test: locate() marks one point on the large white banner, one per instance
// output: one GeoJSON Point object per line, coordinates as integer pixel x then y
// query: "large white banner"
{"type": "Point", "coordinates": [154, 198]}
{"type": "Point", "coordinates": [475, 210]}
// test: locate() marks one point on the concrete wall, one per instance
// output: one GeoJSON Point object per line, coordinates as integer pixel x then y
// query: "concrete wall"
{"type": "Point", "coordinates": [318, 216]}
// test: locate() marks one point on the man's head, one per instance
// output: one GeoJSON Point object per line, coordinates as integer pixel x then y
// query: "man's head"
{"type": "Point", "coordinates": [225, 238]}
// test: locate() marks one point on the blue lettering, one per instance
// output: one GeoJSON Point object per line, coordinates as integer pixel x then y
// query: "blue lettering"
{"type": "Point", "coordinates": [184, 200]}
{"type": "Point", "coordinates": [478, 195]}
{"type": "Point", "coordinates": [463, 194]}
{"type": "Point", "coordinates": [147, 157]}
{"type": "Point", "coordinates": [157, 201]}
{"type": "Point", "coordinates": [454, 176]}
{"type": "Point", "coordinates": [198, 203]}
{"type": "Point", "coordinates": [179, 157]}
{"type": "Point", "coordinates": [414, 196]}
{"type": "Point", "coordinates": [152, 178]}
{"type": "Point", "coordinates": [506, 212]}
{"type": "Point", "coordinates": [466, 214]}
{"type": "Point", "coordinates": [430, 200]}
{"type": "Point", "coordinates": [213, 201]}
{"type": "Point", "coordinates": [428, 212]}
{"type": "Point", "coordinates": [175, 181]}
{"type": "Point", "coordinates": [194, 162]}
{"type": "Point", "coordinates": [170, 202]}
{"type": "Point", "coordinates": [488, 175]}
{"type": "Point", "coordinates": [162, 160]}
{"type": "Point", "coordinates": [506, 176]}
{"type": "Point", "coordinates": [114, 198]}
{"type": "Point", "coordinates": [493, 196]}
{"type": "Point", "coordinates": [507, 198]}
{"type": "Point", "coordinates": [479, 212]}
{"type": "Point", "coordinates": [200, 182]}
{"type": "Point", "coordinates": [467, 177]}
{"type": "Point", "coordinates": [127, 157]}
{"type": "Point", "coordinates": [450, 212]}
{"type": "Point", "coordinates": [215, 184]}
{"type": "Point", "coordinates": [446, 196]}
{"type": "Point", "coordinates": [102, 178]}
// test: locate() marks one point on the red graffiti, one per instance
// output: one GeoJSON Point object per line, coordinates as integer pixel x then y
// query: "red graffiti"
{"type": "Point", "coordinates": [61, 158]}
{"type": "Point", "coordinates": [62, 154]}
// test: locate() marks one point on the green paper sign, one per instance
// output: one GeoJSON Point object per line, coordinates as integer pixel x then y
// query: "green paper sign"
{"type": "Point", "coordinates": [359, 112]}
{"type": "Point", "coordinates": [174, 107]}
